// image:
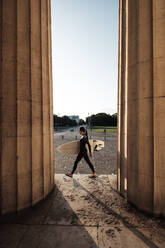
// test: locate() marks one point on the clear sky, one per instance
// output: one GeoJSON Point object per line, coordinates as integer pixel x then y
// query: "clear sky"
{"type": "Point", "coordinates": [84, 56]}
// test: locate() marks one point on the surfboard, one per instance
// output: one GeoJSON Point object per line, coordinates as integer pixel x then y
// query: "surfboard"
{"type": "Point", "coordinates": [73, 147]}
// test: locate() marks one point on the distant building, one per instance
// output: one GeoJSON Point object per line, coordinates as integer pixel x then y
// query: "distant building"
{"type": "Point", "coordinates": [75, 118]}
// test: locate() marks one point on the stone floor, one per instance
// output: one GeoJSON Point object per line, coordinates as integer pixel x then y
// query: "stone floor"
{"type": "Point", "coordinates": [82, 213]}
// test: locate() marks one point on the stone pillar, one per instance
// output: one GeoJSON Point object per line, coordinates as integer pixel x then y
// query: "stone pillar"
{"type": "Point", "coordinates": [26, 111]}
{"type": "Point", "coordinates": [144, 104]}
{"type": "Point", "coordinates": [159, 104]}
{"type": "Point", "coordinates": [122, 99]}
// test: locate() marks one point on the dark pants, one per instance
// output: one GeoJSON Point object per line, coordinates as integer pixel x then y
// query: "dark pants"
{"type": "Point", "coordinates": [79, 157]}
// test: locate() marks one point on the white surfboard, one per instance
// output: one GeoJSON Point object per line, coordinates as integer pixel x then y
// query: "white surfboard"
{"type": "Point", "coordinates": [73, 147]}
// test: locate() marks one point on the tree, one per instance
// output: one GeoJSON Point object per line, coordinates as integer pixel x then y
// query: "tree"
{"type": "Point", "coordinates": [102, 119]}
{"type": "Point", "coordinates": [63, 121]}
{"type": "Point", "coordinates": [81, 122]}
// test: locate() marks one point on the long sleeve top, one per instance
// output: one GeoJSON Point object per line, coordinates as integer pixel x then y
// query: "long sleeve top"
{"type": "Point", "coordinates": [83, 141]}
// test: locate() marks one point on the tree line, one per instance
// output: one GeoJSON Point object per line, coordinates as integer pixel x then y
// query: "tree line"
{"type": "Point", "coordinates": [102, 119]}
{"type": "Point", "coordinates": [65, 121]}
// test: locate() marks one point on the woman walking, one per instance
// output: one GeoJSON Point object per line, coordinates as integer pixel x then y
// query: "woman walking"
{"type": "Point", "coordinates": [83, 153]}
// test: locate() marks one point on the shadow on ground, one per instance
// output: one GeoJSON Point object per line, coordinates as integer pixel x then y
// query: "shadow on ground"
{"type": "Point", "coordinates": [52, 223]}
{"type": "Point", "coordinates": [81, 212]}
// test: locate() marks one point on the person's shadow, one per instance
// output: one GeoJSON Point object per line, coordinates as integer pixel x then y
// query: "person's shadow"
{"type": "Point", "coordinates": [130, 226]}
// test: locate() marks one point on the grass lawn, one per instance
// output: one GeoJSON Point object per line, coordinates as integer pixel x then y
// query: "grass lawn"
{"type": "Point", "coordinates": [100, 129]}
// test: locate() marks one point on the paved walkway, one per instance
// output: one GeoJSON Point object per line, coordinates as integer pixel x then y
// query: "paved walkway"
{"type": "Point", "coordinates": [82, 213]}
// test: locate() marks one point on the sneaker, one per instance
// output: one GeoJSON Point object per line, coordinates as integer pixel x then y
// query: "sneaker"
{"type": "Point", "coordinates": [92, 176]}
{"type": "Point", "coordinates": [69, 175]}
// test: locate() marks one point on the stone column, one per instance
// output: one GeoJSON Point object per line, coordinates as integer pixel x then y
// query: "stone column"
{"type": "Point", "coordinates": [144, 62]}
{"type": "Point", "coordinates": [122, 99]}
{"type": "Point", "coordinates": [140, 104]}
{"type": "Point", "coordinates": [26, 114]}
{"type": "Point", "coordinates": [159, 104]}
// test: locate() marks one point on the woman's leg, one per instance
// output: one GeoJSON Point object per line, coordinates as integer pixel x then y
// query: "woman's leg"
{"type": "Point", "coordinates": [79, 157]}
{"type": "Point", "coordinates": [89, 162]}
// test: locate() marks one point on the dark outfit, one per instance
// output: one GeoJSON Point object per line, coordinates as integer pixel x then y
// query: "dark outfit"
{"type": "Point", "coordinates": [83, 154]}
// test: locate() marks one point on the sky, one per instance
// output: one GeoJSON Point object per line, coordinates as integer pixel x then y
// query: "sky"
{"type": "Point", "coordinates": [84, 56]}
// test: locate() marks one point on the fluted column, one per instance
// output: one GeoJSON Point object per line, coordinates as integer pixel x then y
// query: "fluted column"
{"type": "Point", "coordinates": [144, 62]}
{"type": "Point", "coordinates": [122, 98]}
{"type": "Point", "coordinates": [159, 104]}
{"type": "Point", "coordinates": [26, 115]}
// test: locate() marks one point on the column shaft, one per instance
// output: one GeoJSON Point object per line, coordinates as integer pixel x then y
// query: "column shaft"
{"type": "Point", "coordinates": [143, 80]}
{"type": "Point", "coordinates": [159, 105]}
{"type": "Point", "coordinates": [8, 89]}
{"type": "Point", "coordinates": [122, 100]}
{"type": "Point", "coordinates": [26, 104]}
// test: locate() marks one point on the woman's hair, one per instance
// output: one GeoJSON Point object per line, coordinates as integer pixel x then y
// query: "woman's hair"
{"type": "Point", "coordinates": [84, 130]}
